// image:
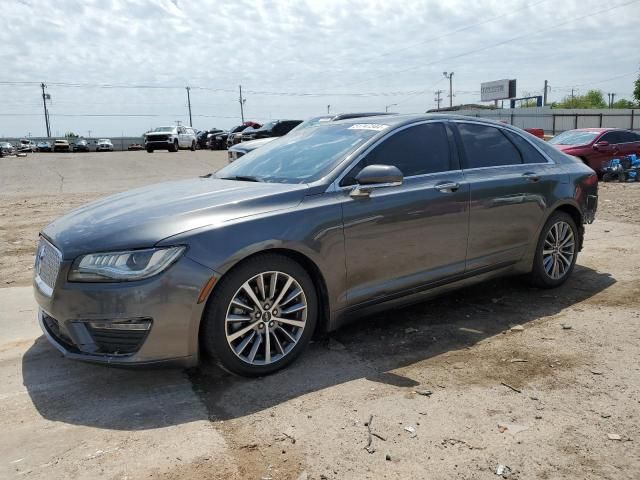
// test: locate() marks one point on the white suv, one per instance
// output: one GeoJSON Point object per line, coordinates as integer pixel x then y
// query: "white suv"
{"type": "Point", "coordinates": [170, 138]}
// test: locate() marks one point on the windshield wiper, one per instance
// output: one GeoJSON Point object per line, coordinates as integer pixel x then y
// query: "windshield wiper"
{"type": "Point", "coordinates": [242, 178]}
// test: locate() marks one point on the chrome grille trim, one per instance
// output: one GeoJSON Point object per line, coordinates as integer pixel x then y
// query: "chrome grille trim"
{"type": "Point", "coordinates": [47, 266]}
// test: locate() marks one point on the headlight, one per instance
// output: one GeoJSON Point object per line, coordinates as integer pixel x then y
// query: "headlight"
{"type": "Point", "coordinates": [123, 266]}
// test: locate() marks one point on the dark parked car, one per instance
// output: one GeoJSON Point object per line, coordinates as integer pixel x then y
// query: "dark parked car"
{"type": "Point", "coordinates": [231, 137]}
{"type": "Point", "coordinates": [218, 141]}
{"type": "Point", "coordinates": [277, 128]}
{"type": "Point", "coordinates": [203, 136]}
{"type": "Point", "coordinates": [44, 146]}
{"type": "Point", "coordinates": [312, 229]}
{"type": "Point", "coordinates": [81, 146]}
{"type": "Point", "coordinates": [597, 146]}
{"type": "Point", "coordinates": [240, 149]}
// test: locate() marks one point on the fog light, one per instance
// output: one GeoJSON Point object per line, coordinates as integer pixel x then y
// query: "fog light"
{"type": "Point", "coordinates": [128, 325]}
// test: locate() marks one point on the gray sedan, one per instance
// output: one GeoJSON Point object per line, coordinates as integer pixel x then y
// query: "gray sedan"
{"type": "Point", "coordinates": [315, 228]}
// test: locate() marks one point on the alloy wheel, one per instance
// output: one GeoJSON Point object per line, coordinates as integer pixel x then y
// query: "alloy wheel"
{"type": "Point", "coordinates": [558, 250]}
{"type": "Point", "coordinates": [266, 318]}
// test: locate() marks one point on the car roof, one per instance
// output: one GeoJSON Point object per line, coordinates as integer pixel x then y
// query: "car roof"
{"type": "Point", "coordinates": [397, 120]}
{"type": "Point", "coordinates": [594, 129]}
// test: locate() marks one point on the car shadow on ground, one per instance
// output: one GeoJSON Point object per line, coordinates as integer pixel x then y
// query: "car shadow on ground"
{"type": "Point", "coordinates": [372, 347]}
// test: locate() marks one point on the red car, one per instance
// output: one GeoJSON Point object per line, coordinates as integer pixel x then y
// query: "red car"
{"type": "Point", "coordinates": [596, 146]}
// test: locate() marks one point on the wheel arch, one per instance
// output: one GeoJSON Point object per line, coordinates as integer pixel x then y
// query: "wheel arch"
{"type": "Point", "coordinates": [319, 282]}
{"type": "Point", "coordinates": [575, 213]}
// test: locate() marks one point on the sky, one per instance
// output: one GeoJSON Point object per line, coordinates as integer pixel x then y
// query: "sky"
{"type": "Point", "coordinates": [294, 58]}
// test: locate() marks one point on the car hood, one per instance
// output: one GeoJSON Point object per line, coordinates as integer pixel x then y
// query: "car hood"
{"type": "Point", "coordinates": [565, 148]}
{"type": "Point", "coordinates": [142, 217]}
{"type": "Point", "coordinates": [253, 144]}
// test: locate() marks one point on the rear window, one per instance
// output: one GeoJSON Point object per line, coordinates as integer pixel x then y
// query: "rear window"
{"type": "Point", "coordinates": [528, 151]}
{"type": "Point", "coordinates": [487, 146]}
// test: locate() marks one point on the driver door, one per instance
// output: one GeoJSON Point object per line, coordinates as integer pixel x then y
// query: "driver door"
{"type": "Point", "coordinates": [405, 237]}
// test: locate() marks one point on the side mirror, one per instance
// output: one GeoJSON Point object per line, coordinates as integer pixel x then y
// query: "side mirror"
{"type": "Point", "coordinates": [376, 176]}
{"type": "Point", "coordinates": [599, 145]}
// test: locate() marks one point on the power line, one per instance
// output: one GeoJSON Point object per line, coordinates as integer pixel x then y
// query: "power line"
{"type": "Point", "coordinates": [493, 45]}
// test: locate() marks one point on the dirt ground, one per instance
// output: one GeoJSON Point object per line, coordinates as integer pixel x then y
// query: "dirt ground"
{"type": "Point", "coordinates": [545, 383]}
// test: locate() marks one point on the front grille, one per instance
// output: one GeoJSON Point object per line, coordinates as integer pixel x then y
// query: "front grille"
{"type": "Point", "coordinates": [114, 341]}
{"type": "Point", "coordinates": [157, 138]}
{"type": "Point", "coordinates": [47, 265]}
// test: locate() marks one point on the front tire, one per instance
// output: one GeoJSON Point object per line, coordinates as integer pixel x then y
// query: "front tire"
{"type": "Point", "coordinates": [261, 316]}
{"type": "Point", "coordinates": [175, 146]}
{"type": "Point", "coordinates": [193, 146]}
{"type": "Point", "coordinates": [149, 150]}
{"type": "Point", "coordinates": [556, 251]}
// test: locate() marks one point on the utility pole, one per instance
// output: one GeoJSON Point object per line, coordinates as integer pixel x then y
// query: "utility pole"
{"type": "Point", "coordinates": [386, 107]}
{"type": "Point", "coordinates": [46, 113]}
{"type": "Point", "coordinates": [241, 100]}
{"type": "Point", "coordinates": [189, 104]}
{"type": "Point", "coordinates": [438, 99]}
{"type": "Point", "coordinates": [544, 99]}
{"type": "Point", "coordinates": [612, 97]}
{"type": "Point", "coordinates": [328, 109]}
{"type": "Point", "coordinates": [450, 77]}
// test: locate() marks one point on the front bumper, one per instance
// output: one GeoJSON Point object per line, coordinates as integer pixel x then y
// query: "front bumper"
{"type": "Point", "coordinates": [159, 144]}
{"type": "Point", "coordinates": [127, 323]}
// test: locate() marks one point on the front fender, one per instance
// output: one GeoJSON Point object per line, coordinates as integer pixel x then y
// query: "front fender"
{"type": "Point", "coordinates": [313, 229]}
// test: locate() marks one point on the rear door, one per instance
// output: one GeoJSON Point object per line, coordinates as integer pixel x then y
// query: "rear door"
{"type": "Point", "coordinates": [511, 183]}
{"type": "Point", "coordinates": [630, 143]}
{"type": "Point", "coordinates": [406, 237]}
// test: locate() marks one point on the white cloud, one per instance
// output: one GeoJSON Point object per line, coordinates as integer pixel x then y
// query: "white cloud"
{"type": "Point", "coordinates": [293, 46]}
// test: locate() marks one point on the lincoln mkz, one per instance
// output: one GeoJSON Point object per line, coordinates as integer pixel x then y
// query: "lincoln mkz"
{"type": "Point", "coordinates": [312, 229]}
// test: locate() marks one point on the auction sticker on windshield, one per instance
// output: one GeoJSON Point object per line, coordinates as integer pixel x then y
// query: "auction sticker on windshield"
{"type": "Point", "coordinates": [368, 126]}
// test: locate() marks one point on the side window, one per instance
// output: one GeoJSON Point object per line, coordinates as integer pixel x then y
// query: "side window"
{"type": "Point", "coordinates": [627, 136]}
{"type": "Point", "coordinates": [611, 137]}
{"type": "Point", "coordinates": [487, 146]}
{"type": "Point", "coordinates": [528, 152]}
{"type": "Point", "coordinates": [416, 150]}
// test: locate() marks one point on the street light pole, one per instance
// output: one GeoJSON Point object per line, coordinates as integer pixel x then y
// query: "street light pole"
{"type": "Point", "coordinates": [46, 113]}
{"type": "Point", "coordinates": [450, 77]}
{"type": "Point", "coordinates": [386, 107]}
{"type": "Point", "coordinates": [189, 104]}
{"type": "Point", "coordinates": [241, 100]}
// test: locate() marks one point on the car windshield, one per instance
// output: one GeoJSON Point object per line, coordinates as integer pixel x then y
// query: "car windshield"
{"type": "Point", "coordinates": [300, 157]}
{"type": "Point", "coordinates": [574, 137]}
{"type": "Point", "coordinates": [163, 129]}
{"type": "Point", "coordinates": [268, 126]}
{"type": "Point", "coordinates": [312, 122]}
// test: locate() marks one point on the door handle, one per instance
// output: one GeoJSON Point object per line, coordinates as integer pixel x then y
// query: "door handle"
{"type": "Point", "coordinates": [447, 187]}
{"type": "Point", "coordinates": [531, 176]}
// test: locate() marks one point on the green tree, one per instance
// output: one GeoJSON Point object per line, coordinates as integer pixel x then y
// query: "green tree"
{"type": "Point", "coordinates": [636, 90]}
{"type": "Point", "coordinates": [591, 99]}
{"type": "Point", "coordinates": [70, 135]}
{"type": "Point", "coordinates": [623, 103]}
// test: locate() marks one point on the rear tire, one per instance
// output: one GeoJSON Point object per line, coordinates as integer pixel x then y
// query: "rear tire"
{"type": "Point", "coordinates": [149, 150]}
{"type": "Point", "coordinates": [193, 146]}
{"type": "Point", "coordinates": [556, 251]}
{"type": "Point", "coordinates": [230, 304]}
